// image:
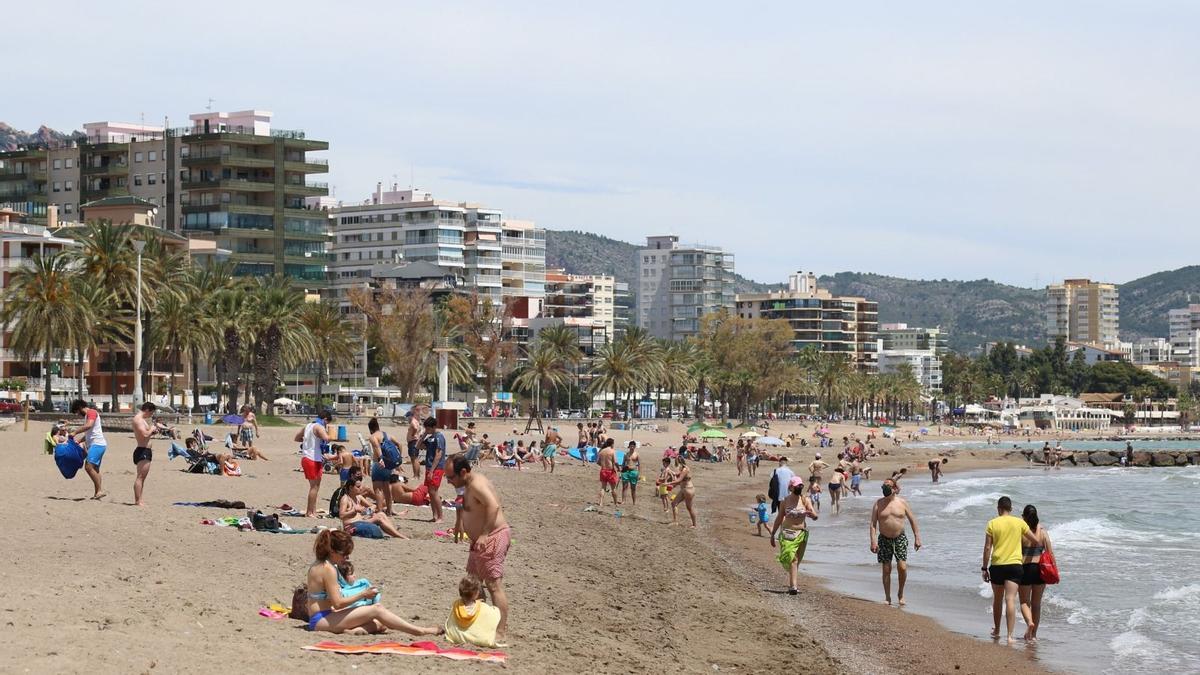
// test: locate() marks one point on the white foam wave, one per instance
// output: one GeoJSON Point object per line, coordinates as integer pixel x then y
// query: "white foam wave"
{"type": "Point", "coordinates": [1132, 644]}
{"type": "Point", "coordinates": [1136, 618]}
{"type": "Point", "coordinates": [1179, 593]}
{"type": "Point", "coordinates": [1077, 612]}
{"type": "Point", "coordinates": [971, 500]}
{"type": "Point", "coordinates": [1098, 533]}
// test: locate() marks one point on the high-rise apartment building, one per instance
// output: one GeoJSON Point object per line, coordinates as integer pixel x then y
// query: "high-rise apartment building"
{"type": "Point", "coordinates": [498, 259]}
{"type": "Point", "coordinates": [677, 284]}
{"type": "Point", "coordinates": [581, 296]}
{"type": "Point", "coordinates": [920, 348]}
{"type": "Point", "coordinates": [228, 177]}
{"type": "Point", "coordinates": [1184, 326]}
{"type": "Point", "coordinates": [1083, 311]}
{"type": "Point", "coordinates": [820, 320]}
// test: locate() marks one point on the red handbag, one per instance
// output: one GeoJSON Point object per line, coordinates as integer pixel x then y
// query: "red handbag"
{"type": "Point", "coordinates": [1048, 568]}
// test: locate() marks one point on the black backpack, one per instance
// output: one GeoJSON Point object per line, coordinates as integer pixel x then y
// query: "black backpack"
{"type": "Point", "coordinates": [335, 503]}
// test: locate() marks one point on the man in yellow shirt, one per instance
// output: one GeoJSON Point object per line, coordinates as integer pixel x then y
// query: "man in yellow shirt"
{"type": "Point", "coordinates": [1002, 562]}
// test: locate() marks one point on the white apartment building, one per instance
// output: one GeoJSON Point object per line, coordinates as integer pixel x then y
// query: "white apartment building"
{"type": "Point", "coordinates": [926, 366]}
{"type": "Point", "coordinates": [499, 259]}
{"type": "Point", "coordinates": [1185, 335]}
{"type": "Point", "coordinates": [1084, 311]}
{"type": "Point", "coordinates": [1147, 351]}
{"type": "Point", "coordinates": [677, 284]}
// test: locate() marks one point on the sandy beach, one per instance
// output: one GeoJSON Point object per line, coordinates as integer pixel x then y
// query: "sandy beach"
{"type": "Point", "coordinates": [126, 589]}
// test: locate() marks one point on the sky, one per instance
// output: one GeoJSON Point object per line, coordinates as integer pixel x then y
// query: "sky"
{"type": "Point", "coordinates": [1023, 141]}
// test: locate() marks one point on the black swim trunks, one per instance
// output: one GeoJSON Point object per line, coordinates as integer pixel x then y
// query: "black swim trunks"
{"type": "Point", "coordinates": [888, 548]}
{"type": "Point", "coordinates": [142, 455]}
{"type": "Point", "coordinates": [413, 450]}
{"type": "Point", "coordinates": [1002, 573]}
{"type": "Point", "coordinates": [1031, 574]}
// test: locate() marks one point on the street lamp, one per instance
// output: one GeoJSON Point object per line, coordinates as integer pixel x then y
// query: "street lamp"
{"type": "Point", "coordinates": [138, 245]}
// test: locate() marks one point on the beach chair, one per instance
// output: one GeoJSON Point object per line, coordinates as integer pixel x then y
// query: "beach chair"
{"type": "Point", "coordinates": [472, 454]}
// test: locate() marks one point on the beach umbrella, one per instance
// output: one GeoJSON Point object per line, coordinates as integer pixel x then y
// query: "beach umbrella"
{"type": "Point", "coordinates": [233, 419]}
{"type": "Point", "coordinates": [283, 400]}
{"type": "Point", "coordinates": [751, 434]}
{"type": "Point", "coordinates": [713, 433]}
{"type": "Point", "coordinates": [770, 440]}
{"type": "Point", "coordinates": [923, 430]}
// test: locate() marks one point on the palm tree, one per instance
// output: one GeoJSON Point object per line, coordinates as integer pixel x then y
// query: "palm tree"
{"type": "Point", "coordinates": [677, 373]}
{"type": "Point", "coordinates": [105, 254]}
{"type": "Point", "coordinates": [172, 320]}
{"type": "Point", "coordinates": [615, 370]}
{"type": "Point", "coordinates": [279, 334]}
{"type": "Point", "coordinates": [99, 309]}
{"type": "Point", "coordinates": [832, 373]}
{"type": "Point", "coordinates": [545, 368]}
{"type": "Point", "coordinates": [645, 354]}
{"type": "Point", "coordinates": [41, 310]}
{"type": "Point", "coordinates": [164, 278]}
{"type": "Point", "coordinates": [231, 310]}
{"type": "Point", "coordinates": [334, 342]}
{"type": "Point", "coordinates": [565, 342]}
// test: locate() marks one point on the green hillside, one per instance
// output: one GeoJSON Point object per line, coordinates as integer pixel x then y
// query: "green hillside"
{"type": "Point", "coordinates": [1145, 301]}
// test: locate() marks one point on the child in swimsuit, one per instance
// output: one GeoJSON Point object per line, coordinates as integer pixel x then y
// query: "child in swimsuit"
{"type": "Point", "coordinates": [665, 477]}
{"type": "Point", "coordinates": [759, 515]}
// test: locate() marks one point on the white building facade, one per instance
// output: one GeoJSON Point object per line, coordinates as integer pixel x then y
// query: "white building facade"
{"type": "Point", "coordinates": [679, 284]}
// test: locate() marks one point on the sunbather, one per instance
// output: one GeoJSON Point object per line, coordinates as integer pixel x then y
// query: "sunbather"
{"type": "Point", "coordinates": [360, 516]}
{"type": "Point", "coordinates": [332, 612]}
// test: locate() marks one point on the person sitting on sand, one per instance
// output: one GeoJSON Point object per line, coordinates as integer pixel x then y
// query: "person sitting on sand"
{"type": "Point", "coordinates": [359, 517]}
{"type": "Point", "coordinates": [472, 621]}
{"type": "Point", "coordinates": [506, 456]}
{"type": "Point", "coordinates": [794, 538]}
{"type": "Point", "coordinates": [330, 611]}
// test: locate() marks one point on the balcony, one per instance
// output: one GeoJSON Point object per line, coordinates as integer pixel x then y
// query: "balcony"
{"type": "Point", "coordinates": [314, 189]}
{"type": "Point", "coordinates": [241, 184]}
{"type": "Point", "coordinates": [233, 158]}
{"type": "Point", "coordinates": [307, 165]}
{"type": "Point", "coordinates": [112, 168]}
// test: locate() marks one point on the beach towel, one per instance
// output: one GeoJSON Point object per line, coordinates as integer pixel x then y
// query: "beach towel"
{"type": "Point", "coordinates": [474, 627]}
{"type": "Point", "coordinates": [413, 649]}
{"type": "Point", "coordinates": [69, 457]}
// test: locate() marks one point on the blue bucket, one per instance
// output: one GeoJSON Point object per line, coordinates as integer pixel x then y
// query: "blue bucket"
{"type": "Point", "coordinates": [342, 435]}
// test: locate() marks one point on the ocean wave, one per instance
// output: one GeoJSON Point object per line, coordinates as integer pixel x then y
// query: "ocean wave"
{"type": "Point", "coordinates": [1132, 644]}
{"type": "Point", "coordinates": [1100, 533]}
{"type": "Point", "coordinates": [1077, 612]}
{"type": "Point", "coordinates": [1179, 593]}
{"type": "Point", "coordinates": [970, 500]}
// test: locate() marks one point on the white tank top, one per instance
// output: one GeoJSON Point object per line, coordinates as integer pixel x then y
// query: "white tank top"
{"type": "Point", "coordinates": [311, 445]}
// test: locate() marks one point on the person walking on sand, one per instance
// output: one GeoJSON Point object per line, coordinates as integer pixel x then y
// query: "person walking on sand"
{"type": "Point", "coordinates": [489, 533]}
{"type": "Point", "coordinates": [550, 448]}
{"type": "Point", "coordinates": [312, 461]}
{"type": "Point", "coordinates": [815, 468]}
{"type": "Point", "coordinates": [686, 492]}
{"type": "Point", "coordinates": [415, 430]}
{"type": "Point", "coordinates": [607, 460]}
{"type": "Point", "coordinates": [888, 539]}
{"type": "Point", "coordinates": [1032, 586]}
{"type": "Point", "coordinates": [143, 429]}
{"type": "Point", "coordinates": [777, 486]}
{"type": "Point", "coordinates": [631, 469]}
{"type": "Point", "coordinates": [91, 436]}
{"type": "Point", "coordinates": [1002, 542]}
{"type": "Point", "coordinates": [381, 465]}
{"type": "Point", "coordinates": [795, 508]}
{"type": "Point", "coordinates": [582, 443]}
{"type": "Point", "coordinates": [835, 490]}
{"type": "Point", "coordinates": [435, 465]}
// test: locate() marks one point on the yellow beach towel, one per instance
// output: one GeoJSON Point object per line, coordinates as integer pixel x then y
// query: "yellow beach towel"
{"type": "Point", "coordinates": [476, 626]}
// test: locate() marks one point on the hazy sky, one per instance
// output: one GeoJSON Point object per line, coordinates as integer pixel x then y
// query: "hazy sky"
{"type": "Point", "coordinates": [1023, 141]}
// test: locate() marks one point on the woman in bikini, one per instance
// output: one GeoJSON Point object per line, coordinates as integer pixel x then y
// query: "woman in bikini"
{"type": "Point", "coordinates": [1031, 585]}
{"type": "Point", "coordinates": [330, 611]}
{"type": "Point", "coordinates": [686, 492]}
{"type": "Point", "coordinates": [358, 517]}
{"type": "Point", "coordinates": [794, 538]}
{"type": "Point", "coordinates": [741, 457]}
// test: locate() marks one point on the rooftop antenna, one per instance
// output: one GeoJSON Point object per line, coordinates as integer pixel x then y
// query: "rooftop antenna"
{"type": "Point", "coordinates": [411, 177]}
{"type": "Point", "coordinates": [211, 100]}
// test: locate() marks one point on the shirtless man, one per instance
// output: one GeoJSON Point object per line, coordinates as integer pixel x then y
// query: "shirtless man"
{"type": "Point", "coordinates": [584, 437]}
{"type": "Point", "coordinates": [815, 468]}
{"type": "Point", "coordinates": [415, 431]}
{"type": "Point", "coordinates": [888, 539]}
{"type": "Point", "coordinates": [143, 429]}
{"type": "Point", "coordinates": [631, 469]}
{"type": "Point", "coordinates": [607, 459]}
{"type": "Point", "coordinates": [490, 535]}
{"type": "Point", "coordinates": [550, 448]}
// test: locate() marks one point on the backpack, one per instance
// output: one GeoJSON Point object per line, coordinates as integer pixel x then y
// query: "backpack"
{"type": "Point", "coordinates": [335, 503]}
{"type": "Point", "coordinates": [391, 453]}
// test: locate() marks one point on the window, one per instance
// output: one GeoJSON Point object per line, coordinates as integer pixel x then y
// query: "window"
{"type": "Point", "coordinates": [68, 208]}
{"type": "Point", "coordinates": [151, 179]}
{"type": "Point", "coordinates": [69, 163]}
{"type": "Point", "coordinates": [137, 156]}
{"type": "Point", "coordinates": [137, 179]}
{"type": "Point", "coordinates": [153, 156]}
{"type": "Point", "coordinates": [58, 164]}
{"type": "Point", "coordinates": [395, 235]}
{"type": "Point", "coordinates": [68, 186]}
{"type": "Point", "coordinates": [183, 174]}
{"type": "Point", "coordinates": [57, 186]}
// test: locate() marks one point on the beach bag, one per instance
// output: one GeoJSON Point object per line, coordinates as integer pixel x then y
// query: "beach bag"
{"type": "Point", "coordinates": [1048, 568]}
{"type": "Point", "coordinates": [69, 457]}
{"type": "Point", "coordinates": [335, 504]}
{"type": "Point", "coordinates": [391, 453]}
{"type": "Point", "coordinates": [299, 604]}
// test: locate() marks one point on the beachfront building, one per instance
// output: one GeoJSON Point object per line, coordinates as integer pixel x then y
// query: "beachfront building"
{"type": "Point", "coordinates": [229, 178]}
{"type": "Point", "coordinates": [901, 336]}
{"type": "Point", "coordinates": [1147, 351]}
{"type": "Point", "coordinates": [624, 308]}
{"type": "Point", "coordinates": [20, 243]}
{"type": "Point", "coordinates": [585, 296]}
{"type": "Point", "coordinates": [523, 264]}
{"type": "Point", "coordinates": [920, 348]}
{"type": "Point", "coordinates": [1184, 327]}
{"type": "Point", "coordinates": [830, 324]}
{"type": "Point", "coordinates": [1093, 354]}
{"type": "Point", "coordinates": [1060, 413]}
{"type": "Point", "coordinates": [678, 284]}
{"type": "Point", "coordinates": [1083, 311]}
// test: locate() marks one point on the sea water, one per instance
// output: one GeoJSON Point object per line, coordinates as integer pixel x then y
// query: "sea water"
{"type": "Point", "coordinates": [1014, 442]}
{"type": "Point", "coordinates": [1127, 543]}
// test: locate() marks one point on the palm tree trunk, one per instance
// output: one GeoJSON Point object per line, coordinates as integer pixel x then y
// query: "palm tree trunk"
{"type": "Point", "coordinates": [79, 368]}
{"type": "Point", "coordinates": [47, 404]}
{"type": "Point", "coordinates": [195, 381]}
{"type": "Point", "coordinates": [320, 385]}
{"type": "Point", "coordinates": [112, 373]}
{"type": "Point", "coordinates": [174, 367]}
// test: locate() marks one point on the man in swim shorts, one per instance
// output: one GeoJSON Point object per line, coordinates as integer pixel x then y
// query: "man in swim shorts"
{"type": "Point", "coordinates": [550, 448]}
{"type": "Point", "coordinates": [91, 436]}
{"type": "Point", "coordinates": [607, 459]}
{"type": "Point", "coordinates": [143, 429]}
{"type": "Point", "coordinates": [312, 461]}
{"type": "Point", "coordinates": [630, 470]}
{"type": "Point", "coordinates": [435, 464]}
{"type": "Point", "coordinates": [415, 430]}
{"type": "Point", "coordinates": [888, 539]}
{"type": "Point", "coordinates": [485, 525]}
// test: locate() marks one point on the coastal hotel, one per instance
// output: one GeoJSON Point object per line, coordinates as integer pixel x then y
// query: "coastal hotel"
{"type": "Point", "coordinates": [831, 324]}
